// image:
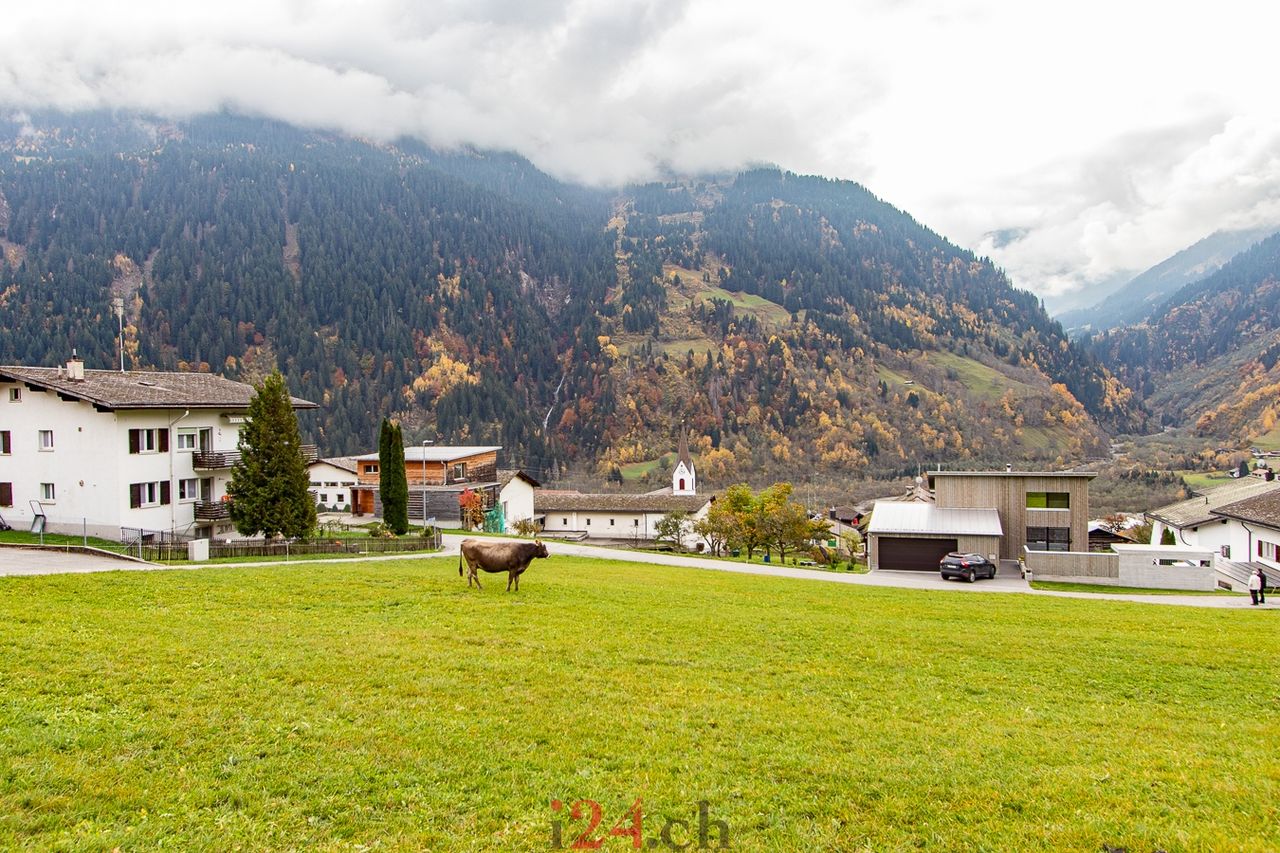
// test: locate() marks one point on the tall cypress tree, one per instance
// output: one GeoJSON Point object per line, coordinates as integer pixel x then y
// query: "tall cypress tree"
{"type": "Point", "coordinates": [268, 486]}
{"type": "Point", "coordinates": [393, 485]}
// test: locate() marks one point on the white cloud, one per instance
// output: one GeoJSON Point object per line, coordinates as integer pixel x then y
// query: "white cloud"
{"type": "Point", "coordinates": [1103, 136]}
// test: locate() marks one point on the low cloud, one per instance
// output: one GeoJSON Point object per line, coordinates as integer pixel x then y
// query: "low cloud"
{"type": "Point", "coordinates": [982, 121]}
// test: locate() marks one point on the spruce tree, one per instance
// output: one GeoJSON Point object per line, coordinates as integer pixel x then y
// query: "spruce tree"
{"type": "Point", "coordinates": [268, 486]}
{"type": "Point", "coordinates": [393, 485]}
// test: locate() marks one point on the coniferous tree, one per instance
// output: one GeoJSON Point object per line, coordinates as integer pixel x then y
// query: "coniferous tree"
{"type": "Point", "coordinates": [393, 484]}
{"type": "Point", "coordinates": [268, 486]}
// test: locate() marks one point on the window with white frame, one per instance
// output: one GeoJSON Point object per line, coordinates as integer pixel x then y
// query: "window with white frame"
{"type": "Point", "coordinates": [324, 499]}
{"type": "Point", "coordinates": [46, 439]}
{"type": "Point", "coordinates": [48, 493]}
{"type": "Point", "coordinates": [15, 395]}
{"type": "Point", "coordinates": [187, 439]}
{"type": "Point", "coordinates": [189, 489]}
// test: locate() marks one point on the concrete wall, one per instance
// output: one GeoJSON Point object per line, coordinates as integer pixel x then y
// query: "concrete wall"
{"type": "Point", "coordinates": [1145, 566]}
{"type": "Point", "coordinates": [1072, 566]}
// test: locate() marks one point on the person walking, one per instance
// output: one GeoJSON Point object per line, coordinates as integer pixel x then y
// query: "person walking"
{"type": "Point", "coordinates": [1262, 586]}
{"type": "Point", "coordinates": [1255, 586]}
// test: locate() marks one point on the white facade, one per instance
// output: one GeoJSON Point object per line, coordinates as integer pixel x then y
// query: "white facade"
{"type": "Point", "coordinates": [1253, 542]}
{"type": "Point", "coordinates": [119, 455]}
{"type": "Point", "coordinates": [630, 525]}
{"type": "Point", "coordinates": [331, 485]}
{"type": "Point", "coordinates": [88, 480]}
{"type": "Point", "coordinates": [516, 500]}
{"type": "Point", "coordinates": [1209, 535]}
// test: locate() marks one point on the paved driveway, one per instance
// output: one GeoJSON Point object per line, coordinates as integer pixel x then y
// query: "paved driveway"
{"type": "Point", "coordinates": [47, 561]}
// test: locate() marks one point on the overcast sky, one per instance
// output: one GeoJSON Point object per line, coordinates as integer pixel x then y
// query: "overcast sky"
{"type": "Point", "coordinates": [1071, 145]}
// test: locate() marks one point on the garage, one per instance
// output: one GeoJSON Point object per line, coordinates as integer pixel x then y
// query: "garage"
{"type": "Point", "coordinates": [915, 536]}
{"type": "Point", "coordinates": [914, 554]}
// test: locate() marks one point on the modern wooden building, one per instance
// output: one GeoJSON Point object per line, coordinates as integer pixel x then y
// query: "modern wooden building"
{"type": "Point", "coordinates": [994, 513]}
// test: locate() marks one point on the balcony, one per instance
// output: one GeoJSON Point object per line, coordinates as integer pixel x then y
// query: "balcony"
{"type": "Point", "coordinates": [213, 510]}
{"type": "Point", "coordinates": [214, 460]}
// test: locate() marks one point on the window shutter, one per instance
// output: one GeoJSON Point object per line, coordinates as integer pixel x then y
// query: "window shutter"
{"type": "Point", "coordinates": [164, 440]}
{"type": "Point", "coordinates": [135, 494]}
{"type": "Point", "coordinates": [5, 446]}
{"type": "Point", "coordinates": [165, 486]}
{"type": "Point", "coordinates": [6, 494]}
{"type": "Point", "coordinates": [134, 442]}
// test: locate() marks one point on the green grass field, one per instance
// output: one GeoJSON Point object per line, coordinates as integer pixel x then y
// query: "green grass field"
{"type": "Point", "coordinates": [384, 706]}
{"type": "Point", "coordinates": [1204, 479]}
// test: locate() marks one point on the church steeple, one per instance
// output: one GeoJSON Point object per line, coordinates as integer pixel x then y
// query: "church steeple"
{"type": "Point", "coordinates": [684, 479]}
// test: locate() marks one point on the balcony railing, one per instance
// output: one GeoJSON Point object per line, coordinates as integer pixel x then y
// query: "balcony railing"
{"type": "Point", "coordinates": [213, 460]}
{"type": "Point", "coordinates": [213, 510]}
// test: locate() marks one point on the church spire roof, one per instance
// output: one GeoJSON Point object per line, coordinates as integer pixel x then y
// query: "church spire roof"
{"type": "Point", "coordinates": [684, 449]}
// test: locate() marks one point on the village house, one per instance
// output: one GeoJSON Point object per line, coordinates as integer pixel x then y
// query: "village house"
{"type": "Point", "coordinates": [993, 513]}
{"type": "Point", "coordinates": [1253, 535]}
{"type": "Point", "coordinates": [619, 517]}
{"type": "Point", "coordinates": [437, 477]}
{"type": "Point", "coordinates": [332, 481]}
{"type": "Point", "coordinates": [120, 454]}
{"type": "Point", "coordinates": [1195, 523]}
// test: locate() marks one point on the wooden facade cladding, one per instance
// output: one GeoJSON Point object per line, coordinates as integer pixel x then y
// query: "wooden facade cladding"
{"type": "Point", "coordinates": [1007, 494]}
{"type": "Point", "coordinates": [478, 468]}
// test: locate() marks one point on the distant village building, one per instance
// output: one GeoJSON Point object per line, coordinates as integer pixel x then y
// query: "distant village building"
{"type": "Point", "coordinates": [620, 517]}
{"type": "Point", "coordinates": [437, 477]}
{"type": "Point", "coordinates": [120, 454]}
{"type": "Point", "coordinates": [332, 481]}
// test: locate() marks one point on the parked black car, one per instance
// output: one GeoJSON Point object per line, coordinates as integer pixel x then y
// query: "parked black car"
{"type": "Point", "coordinates": [967, 566]}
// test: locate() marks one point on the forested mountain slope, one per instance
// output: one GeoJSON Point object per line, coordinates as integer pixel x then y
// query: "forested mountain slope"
{"type": "Point", "coordinates": [786, 320]}
{"type": "Point", "coordinates": [1210, 356]}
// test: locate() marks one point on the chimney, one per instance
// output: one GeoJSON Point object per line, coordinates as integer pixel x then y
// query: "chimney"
{"type": "Point", "coordinates": [75, 368]}
{"type": "Point", "coordinates": [1008, 467]}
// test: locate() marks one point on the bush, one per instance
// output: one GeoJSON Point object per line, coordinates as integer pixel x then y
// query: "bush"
{"type": "Point", "coordinates": [525, 527]}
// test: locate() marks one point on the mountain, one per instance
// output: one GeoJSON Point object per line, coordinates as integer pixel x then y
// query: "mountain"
{"type": "Point", "coordinates": [1210, 356]}
{"type": "Point", "coordinates": [798, 326]}
{"type": "Point", "coordinates": [1135, 301]}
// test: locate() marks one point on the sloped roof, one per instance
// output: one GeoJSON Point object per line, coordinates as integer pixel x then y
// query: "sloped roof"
{"type": "Point", "coordinates": [1200, 509]}
{"type": "Point", "coordinates": [506, 476]}
{"type": "Point", "coordinates": [431, 453]}
{"type": "Point", "coordinates": [346, 463]}
{"type": "Point", "coordinates": [558, 501]}
{"type": "Point", "coordinates": [1262, 508]}
{"type": "Point", "coordinates": [142, 389]}
{"type": "Point", "coordinates": [922, 518]}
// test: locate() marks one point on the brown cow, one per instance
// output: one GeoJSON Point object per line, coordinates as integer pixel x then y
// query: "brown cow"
{"type": "Point", "coordinates": [498, 556]}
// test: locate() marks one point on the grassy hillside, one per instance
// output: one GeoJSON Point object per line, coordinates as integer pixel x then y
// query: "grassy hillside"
{"type": "Point", "coordinates": [386, 706]}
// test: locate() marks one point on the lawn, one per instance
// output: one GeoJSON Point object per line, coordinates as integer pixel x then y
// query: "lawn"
{"type": "Point", "coordinates": [386, 706]}
{"type": "Point", "coordinates": [1105, 589]}
{"type": "Point", "coordinates": [1205, 479]}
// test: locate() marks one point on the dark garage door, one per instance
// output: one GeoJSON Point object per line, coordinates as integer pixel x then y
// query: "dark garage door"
{"type": "Point", "coordinates": [920, 555]}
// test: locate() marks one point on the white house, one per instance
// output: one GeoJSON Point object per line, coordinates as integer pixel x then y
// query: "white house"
{"type": "Point", "coordinates": [1253, 532]}
{"type": "Point", "coordinates": [119, 454]}
{"type": "Point", "coordinates": [625, 518]}
{"type": "Point", "coordinates": [332, 481]}
{"type": "Point", "coordinates": [515, 496]}
{"type": "Point", "coordinates": [1195, 522]}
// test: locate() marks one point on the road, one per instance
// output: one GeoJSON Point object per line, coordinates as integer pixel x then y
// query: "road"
{"type": "Point", "coordinates": [21, 561]}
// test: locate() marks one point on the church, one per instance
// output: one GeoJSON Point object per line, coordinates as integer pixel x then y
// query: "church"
{"type": "Point", "coordinates": [623, 518]}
